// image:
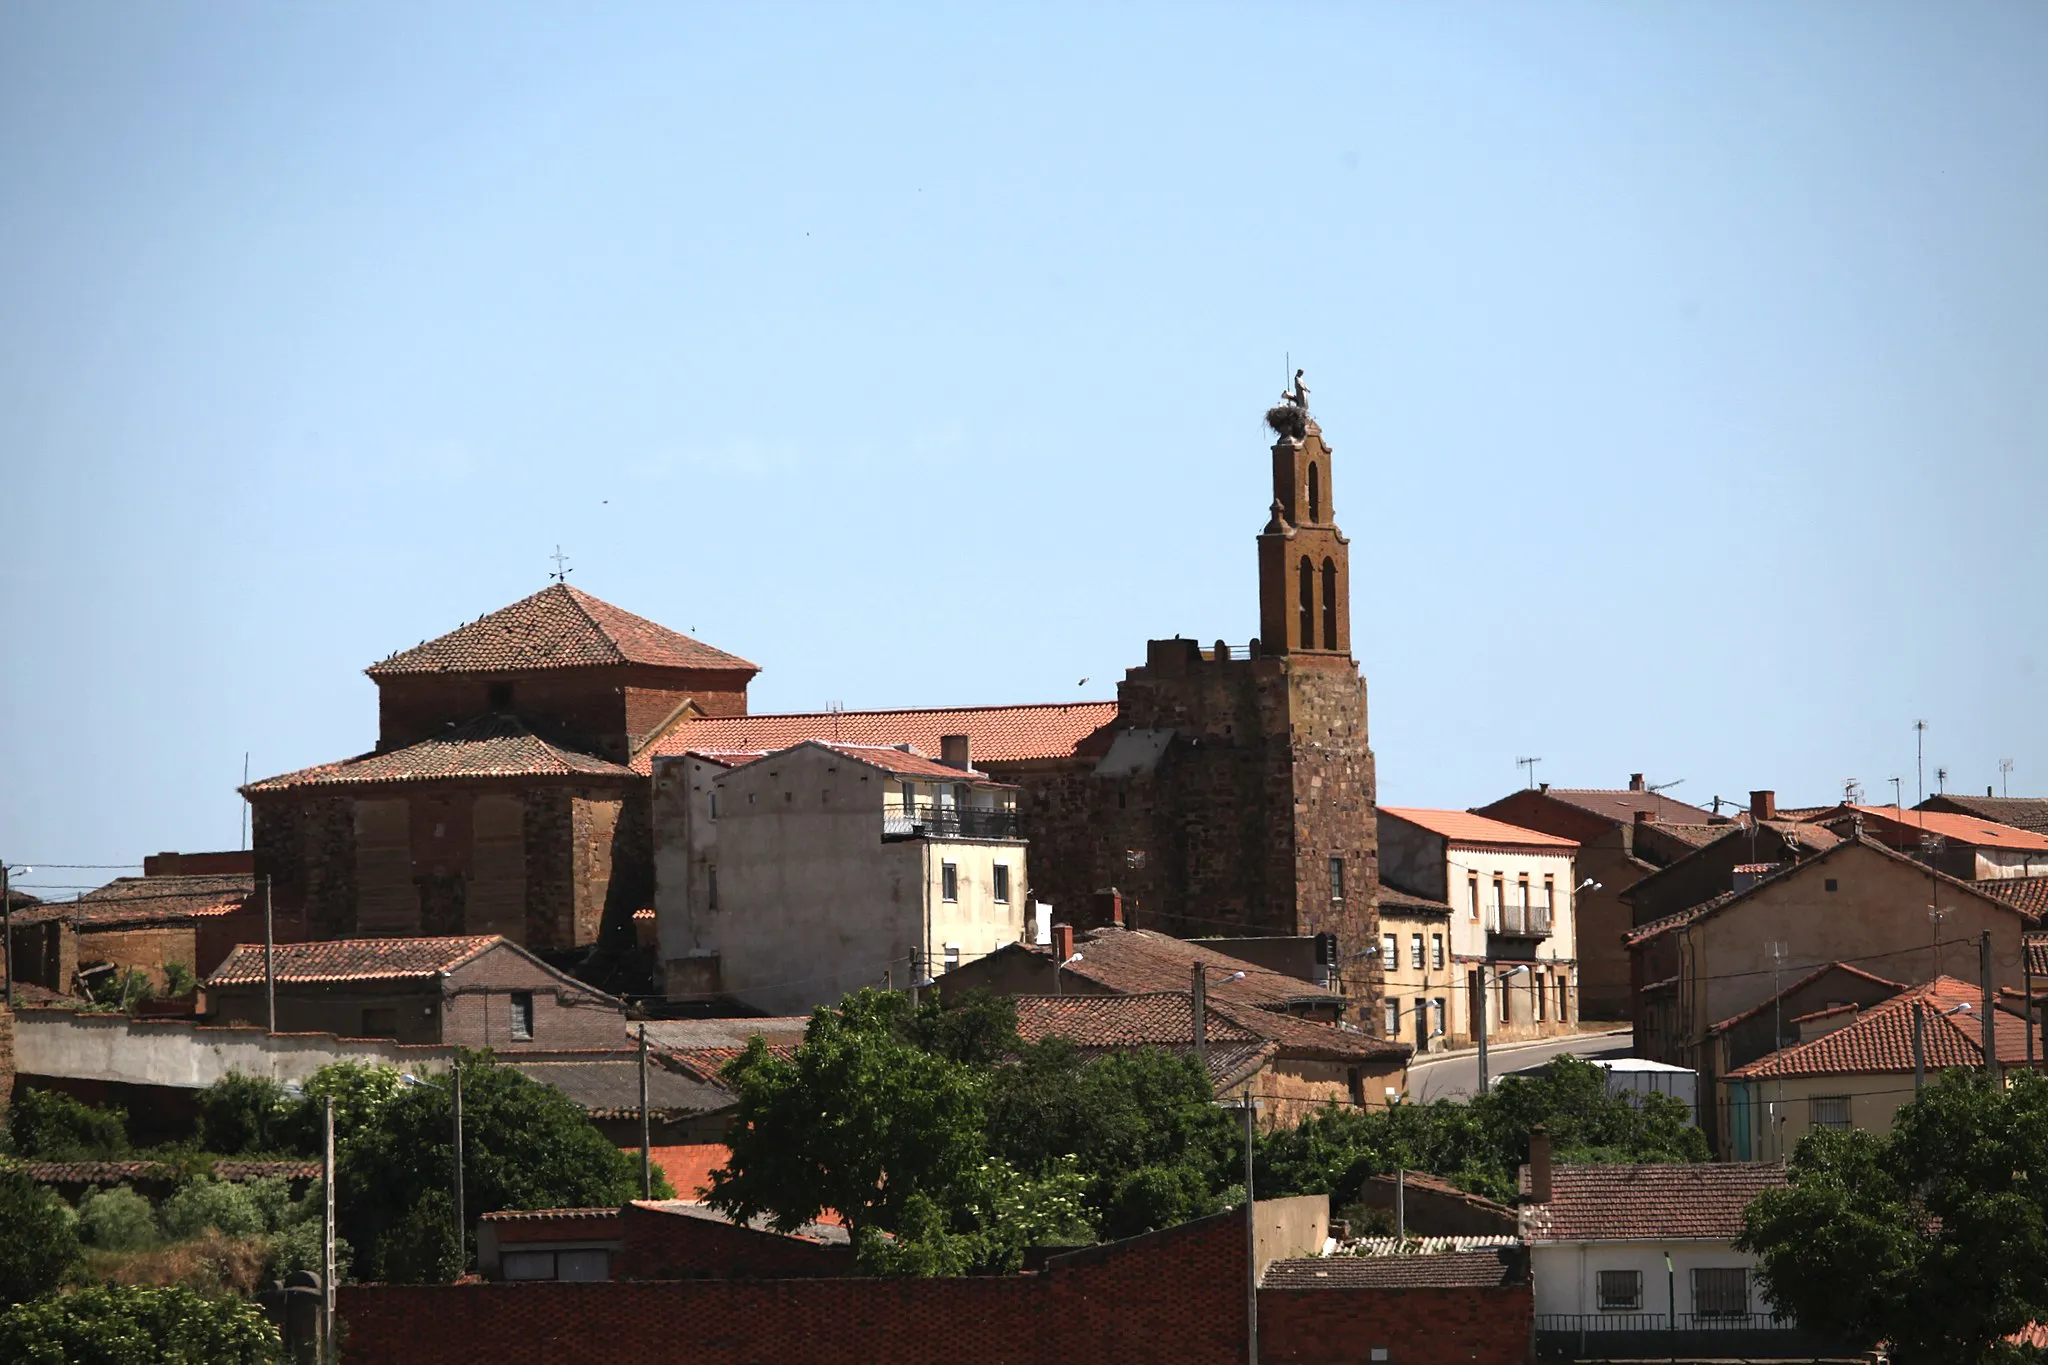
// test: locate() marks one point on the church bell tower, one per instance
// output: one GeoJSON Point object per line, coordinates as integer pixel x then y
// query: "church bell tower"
{"type": "Point", "coordinates": [1304, 560]}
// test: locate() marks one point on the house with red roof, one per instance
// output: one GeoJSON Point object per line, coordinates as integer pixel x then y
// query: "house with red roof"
{"type": "Point", "coordinates": [1960, 843]}
{"type": "Point", "coordinates": [1476, 925]}
{"type": "Point", "coordinates": [785, 880]}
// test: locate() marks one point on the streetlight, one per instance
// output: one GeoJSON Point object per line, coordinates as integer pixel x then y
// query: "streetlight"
{"type": "Point", "coordinates": [1919, 1040]}
{"type": "Point", "coordinates": [1587, 885]}
{"type": "Point", "coordinates": [1480, 1015]}
{"type": "Point", "coordinates": [461, 1227]}
{"type": "Point", "coordinates": [1058, 967]}
{"type": "Point", "coordinates": [7, 917]}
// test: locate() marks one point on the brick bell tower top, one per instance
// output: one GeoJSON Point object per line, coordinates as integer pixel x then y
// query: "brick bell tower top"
{"type": "Point", "coordinates": [1304, 560]}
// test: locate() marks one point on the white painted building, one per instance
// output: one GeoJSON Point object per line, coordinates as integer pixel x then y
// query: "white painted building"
{"type": "Point", "coordinates": [1483, 910]}
{"type": "Point", "coordinates": [786, 880]}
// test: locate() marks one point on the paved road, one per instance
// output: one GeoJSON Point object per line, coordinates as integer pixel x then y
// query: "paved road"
{"type": "Point", "coordinates": [1456, 1075]}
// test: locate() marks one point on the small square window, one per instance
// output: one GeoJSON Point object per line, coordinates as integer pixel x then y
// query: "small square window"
{"type": "Point", "coordinates": [1002, 891]}
{"type": "Point", "coordinates": [1621, 1291]}
{"type": "Point", "coordinates": [522, 1016]}
{"type": "Point", "coordinates": [1831, 884]}
{"type": "Point", "coordinates": [949, 881]}
{"type": "Point", "coordinates": [952, 956]}
{"type": "Point", "coordinates": [380, 1023]}
{"type": "Point", "coordinates": [1828, 1111]}
{"type": "Point", "coordinates": [1720, 1292]}
{"type": "Point", "coordinates": [1336, 879]}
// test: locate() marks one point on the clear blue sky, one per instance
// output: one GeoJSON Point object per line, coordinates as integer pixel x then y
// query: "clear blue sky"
{"type": "Point", "coordinates": [1685, 364]}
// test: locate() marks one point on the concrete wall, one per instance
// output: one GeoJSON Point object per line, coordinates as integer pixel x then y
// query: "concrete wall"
{"type": "Point", "coordinates": [1285, 1228]}
{"type": "Point", "coordinates": [1567, 1275]}
{"type": "Point", "coordinates": [117, 1050]}
{"type": "Point", "coordinates": [1764, 1120]}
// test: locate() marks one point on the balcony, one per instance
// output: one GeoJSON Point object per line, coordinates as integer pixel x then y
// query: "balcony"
{"type": "Point", "coordinates": [1652, 1336]}
{"type": "Point", "coordinates": [948, 822]}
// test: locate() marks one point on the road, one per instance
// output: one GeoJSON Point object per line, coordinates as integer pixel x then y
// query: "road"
{"type": "Point", "coordinates": [1455, 1075]}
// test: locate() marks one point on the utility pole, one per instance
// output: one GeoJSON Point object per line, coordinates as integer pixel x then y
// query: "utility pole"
{"type": "Point", "coordinates": [327, 1353]}
{"type": "Point", "coordinates": [1199, 994]}
{"type": "Point", "coordinates": [461, 1224]}
{"type": "Point", "coordinates": [916, 975]}
{"type": "Point", "coordinates": [1251, 1242]}
{"type": "Point", "coordinates": [1401, 1203]}
{"type": "Point", "coordinates": [7, 929]}
{"type": "Point", "coordinates": [2027, 967]}
{"type": "Point", "coordinates": [1990, 1004]}
{"type": "Point", "coordinates": [1919, 1048]}
{"type": "Point", "coordinates": [269, 963]}
{"type": "Point", "coordinates": [646, 1136]}
{"type": "Point", "coordinates": [1479, 1026]}
{"type": "Point", "coordinates": [1919, 761]}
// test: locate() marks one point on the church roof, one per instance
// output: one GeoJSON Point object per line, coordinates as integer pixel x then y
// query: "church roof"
{"type": "Point", "coordinates": [996, 734]}
{"type": "Point", "coordinates": [489, 746]}
{"type": "Point", "coordinates": [558, 627]}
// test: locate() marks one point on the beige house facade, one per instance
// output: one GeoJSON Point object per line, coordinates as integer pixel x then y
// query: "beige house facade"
{"type": "Point", "coordinates": [786, 880]}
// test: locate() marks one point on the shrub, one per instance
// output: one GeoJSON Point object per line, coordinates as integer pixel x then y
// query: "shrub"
{"type": "Point", "coordinates": [49, 1125]}
{"type": "Point", "coordinates": [420, 1248]}
{"type": "Point", "coordinates": [203, 1202]}
{"type": "Point", "coordinates": [116, 1220]}
{"type": "Point", "coordinates": [38, 1240]}
{"type": "Point", "coordinates": [239, 1114]}
{"type": "Point", "coordinates": [298, 1248]}
{"type": "Point", "coordinates": [179, 979]}
{"type": "Point", "coordinates": [129, 1325]}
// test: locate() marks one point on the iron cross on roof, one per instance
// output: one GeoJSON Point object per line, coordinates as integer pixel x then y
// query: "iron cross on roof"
{"type": "Point", "coordinates": [562, 569]}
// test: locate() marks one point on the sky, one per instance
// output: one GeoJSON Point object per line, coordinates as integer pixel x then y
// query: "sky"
{"type": "Point", "coordinates": [1684, 365]}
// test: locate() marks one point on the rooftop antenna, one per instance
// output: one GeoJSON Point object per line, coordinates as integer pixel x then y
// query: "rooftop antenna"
{"type": "Point", "coordinates": [1852, 792]}
{"type": "Point", "coordinates": [245, 800]}
{"type": "Point", "coordinates": [1919, 761]}
{"type": "Point", "coordinates": [562, 569]}
{"type": "Point", "coordinates": [2004, 771]}
{"type": "Point", "coordinates": [835, 709]}
{"type": "Point", "coordinates": [1665, 786]}
{"type": "Point", "coordinates": [1898, 787]}
{"type": "Point", "coordinates": [1940, 781]}
{"type": "Point", "coordinates": [1530, 764]}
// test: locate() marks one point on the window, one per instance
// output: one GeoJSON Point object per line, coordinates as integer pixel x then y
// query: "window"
{"type": "Point", "coordinates": [1329, 604]}
{"type": "Point", "coordinates": [952, 956]}
{"type": "Point", "coordinates": [949, 881]}
{"type": "Point", "coordinates": [1436, 951]}
{"type": "Point", "coordinates": [1308, 603]}
{"type": "Point", "coordinates": [1720, 1292]}
{"type": "Point", "coordinates": [1415, 958]}
{"type": "Point", "coordinates": [1472, 890]}
{"type": "Point", "coordinates": [1336, 879]}
{"type": "Point", "coordinates": [710, 888]}
{"type": "Point", "coordinates": [1549, 895]}
{"type": "Point", "coordinates": [1002, 883]}
{"type": "Point", "coordinates": [1564, 1015]}
{"type": "Point", "coordinates": [1828, 1111]}
{"type": "Point", "coordinates": [1538, 996]}
{"type": "Point", "coordinates": [1390, 951]}
{"type": "Point", "coordinates": [1621, 1291]}
{"type": "Point", "coordinates": [582, 1264]}
{"type": "Point", "coordinates": [1500, 894]}
{"type": "Point", "coordinates": [1437, 1025]}
{"type": "Point", "coordinates": [714, 805]}
{"type": "Point", "coordinates": [522, 1016]}
{"type": "Point", "coordinates": [1831, 883]}
{"type": "Point", "coordinates": [1393, 1011]}
{"type": "Point", "coordinates": [380, 1023]}
{"type": "Point", "coordinates": [1315, 493]}
{"type": "Point", "coordinates": [1522, 887]}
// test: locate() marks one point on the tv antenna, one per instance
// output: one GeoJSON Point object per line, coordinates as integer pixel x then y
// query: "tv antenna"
{"type": "Point", "coordinates": [1665, 786]}
{"type": "Point", "coordinates": [562, 569]}
{"type": "Point", "coordinates": [1530, 765]}
{"type": "Point", "coordinates": [2004, 771]}
{"type": "Point", "coordinates": [1940, 781]}
{"type": "Point", "coordinates": [1898, 789]}
{"type": "Point", "coordinates": [1852, 792]}
{"type": "Point", "coordinates": [1919, 761]}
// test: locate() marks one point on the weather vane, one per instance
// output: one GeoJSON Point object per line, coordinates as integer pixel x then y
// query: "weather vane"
{"type": "Point", "coordinates": [562, 569]}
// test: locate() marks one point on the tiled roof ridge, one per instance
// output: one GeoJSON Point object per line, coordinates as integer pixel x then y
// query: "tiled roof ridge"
{"type": "Point", "coordinates": [519, 1215]}
{"type": "Point", "coordinates": [1445, 822]}
{"type": "Point", "coordinates": [1964, 1034]}
{"type": "Point", "coordinates": [1816, 974]}
{"type": "Point", "coordinates": [482, 728]}
{"type": "Point", "coordinates": [922, 710]}
{"type": "Point", "coordinates": [462, 949]}
{"type": "Point", "coordinates": [581, 601]}
{"type": "Point", "coordinates": [1701, 850]}
{"type": "Point", "coordinates": [607, 640]}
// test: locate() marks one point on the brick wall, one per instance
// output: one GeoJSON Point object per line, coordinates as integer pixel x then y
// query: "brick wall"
{"type": "Point", "coordinates": [147, 949]}
{"type": "Point", "coordinates": [1414, 1326]}
{"type": "Point", "coordinates": [1149, 1298]}
{"type": "Point", "coordinates": [665, 1245]}
{"type": "Point", "coordinates": [608, 707]}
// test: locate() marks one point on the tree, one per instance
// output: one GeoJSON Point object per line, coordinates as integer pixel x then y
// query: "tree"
{"type": "Point", "coordinates": [240, 1114]}
{"type": "Point", "coordinates": [49, 1125]}
{"type": "Point", "coordinates": [128, 1325]}
{"type": "Point", "coordinates": [118, 1219]}
{"type": "Point", "coordinates": [38, 1238]}
{"type": "Point", "coordinates": [1930, 1238]}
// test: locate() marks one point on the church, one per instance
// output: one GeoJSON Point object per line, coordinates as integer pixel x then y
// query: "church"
{"type": "Point", "coordinates": [1228, 791]}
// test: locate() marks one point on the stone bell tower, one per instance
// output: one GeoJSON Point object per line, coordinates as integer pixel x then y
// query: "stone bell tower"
{"type": "Point", "coordinates": [1237, 798]}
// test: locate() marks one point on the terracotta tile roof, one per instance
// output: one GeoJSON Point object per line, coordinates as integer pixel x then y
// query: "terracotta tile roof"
{"type": "Point", "coordinates": [2022, 893]}
{"type": "Point", "coordinates": [550, 1215]}
{"type": "Point", "coordinates": [1164, 1020]}
{"type": "Point", "coordinates": [557, 627]}
{"type": "Point", "coordinates": [1309, 1038]}
{"type": "Point", "coordinates": [1399, 901]}
{"type": "Point", "coordinates": [352, 959]}
{"type": "Point", "coordinates": [1135, 961]}
{"type": "Point", "coordinates": [1647, 1203]}
{"type": "Point", "coordinates": [1814, 838]}
{"type": "Point", "coordinates": [2037, 956]}
{"type": "Point", "coordinates": [1464, 827]}
{"type": "Point", "coordinates": [1957, 829]}
{"type": "Point", "coordinates": [2021, 812]}
{"type": "Point", "coordinates": [1881, 1040]}
{"type": "Point", "coordinates": [889, 759]}
{"type": "Point", "coordinates": [1621, 806]}
{"type": "Point", "coordinates": [1801, 984]}
{"type": "Point", "coordinates": [114, 1172]}
{"type": "Point", "coordinates": [607, 1085]}
{"type": "Point", "coordinates": [997, 734]}
{"type": "Point", "coordinates": [147, 900]}
{"type": "Point", "coordinates": [488, 746]}
{"type": "Point", "coordinates": [1698, 836]}
{"type": "Point", "coordinates": [722, 1033]}
{"type": "Point", "coordinates": [1446, 1270]}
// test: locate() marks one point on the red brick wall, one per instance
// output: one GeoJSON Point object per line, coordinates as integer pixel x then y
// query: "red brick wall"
{"type": "Point", "coordinates": [1416, 1326]}
{"type": "Point", "coordinates": [660, 1245]}
{"type": "Point", "coordinates": [611, 707]}
{"type": "Point", "coordinates": [1164, 1296]}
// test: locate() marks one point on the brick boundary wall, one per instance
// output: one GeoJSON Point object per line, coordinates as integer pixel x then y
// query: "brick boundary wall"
{"type": "Point", "coordinates": [659, 1245]}
{"type": "Point", "coordinates": [1413, 1326]}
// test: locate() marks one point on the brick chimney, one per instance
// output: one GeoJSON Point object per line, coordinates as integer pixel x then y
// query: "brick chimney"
{"type": "Point", "coordinates": [954, 751]}
{"type": "Point", "coordinates": [1646, 817]}
{"type": "Point", "coordinates": [1107, 907]}
{"type": "Point", "coordinates": [1539, 1165]}
{"type": "Point", "coordinates": [1062, 942]}
{"type": "Point", "coordinates": [1763, 805]}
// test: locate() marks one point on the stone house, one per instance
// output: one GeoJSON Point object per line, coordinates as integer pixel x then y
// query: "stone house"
{"type": "Point", "coordinates": [482, 990]}
{"type": "Point", "coordinates": [2020, 812]}
{"type": "Point", "coordinates": [1858, 903]}
{"type": "Point", "coordinates": [786, 880]}
{"type": "Point", "coordinates": [1737, 856]}
{"type": "Point", "coordinates": [1504, 898]}
{"type": "Point", "coordinates": [500, 798]}
{"type": "Point", "coordinates": [1853, 1066]}
{"type": "Point", "coordinates": [147, 923]}
{"type": "Point", "coordinates": [1623, 835]}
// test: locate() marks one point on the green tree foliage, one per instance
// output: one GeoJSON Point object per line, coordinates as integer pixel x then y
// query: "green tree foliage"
{"type": "Point", "coordinates": [1932, 1238]}
{"type": "Point", "coordinates": [241, 1115]}
{"type": "Point", "coordinates": [38, 1240]}
{"type": "Point", "coordinates": [203, 1202]}
{"type": "Point", "coordinates": [118, 992]}
{"type": "Point", "coordinates": [179, 979]}
{"type": "Point", "coordinates": [49, 1125]}
{"type": "Point", "coordinates": [1479, 1145]}
{"type": "Point", "coordinates": [126, 1325]}
{"type": "Point", "coordinates": [420, 1247]}
{"type": "Point", "coordinates": [118, 1219]}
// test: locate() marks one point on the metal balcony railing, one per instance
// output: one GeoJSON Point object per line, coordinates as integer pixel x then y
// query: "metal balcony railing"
{"type": "Point", "coordinates": [948, 822]}
{"type": "Point", "coordinates": [1660, 1322]}
{"type": "Point", "coordinates": [1524, 921]}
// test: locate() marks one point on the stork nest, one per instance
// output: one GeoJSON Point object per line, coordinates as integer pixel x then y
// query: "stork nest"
{"type": "Point", "coordinates": [1288, 420]}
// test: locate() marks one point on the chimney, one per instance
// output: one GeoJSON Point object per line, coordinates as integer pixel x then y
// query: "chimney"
{"type": "Point", "coordinates": [1987, 791]}
{"type": "Point", "coordinates": [1108, 907]}
{"type": "Point", "coordinates": [1635, 782]}
{"type": "Point", "coordinates": [1199, 994]}
{"type": "Point", "coordinates": [1062, 942]}
{"type": "Point", "coordinates": [953, 752]}
{"type": "Point", "coordinates": [1542, 786]}
{"type": "Point", "coordinates": [1646, 817]}
{"type": "Point", "coordinates": [1539, 1165]}
{"type": "Point", "coordinates": [1763, 805]}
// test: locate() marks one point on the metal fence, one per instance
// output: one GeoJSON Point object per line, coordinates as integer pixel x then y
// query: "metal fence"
{"type": "Point", "coordinates": [948, 822]}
